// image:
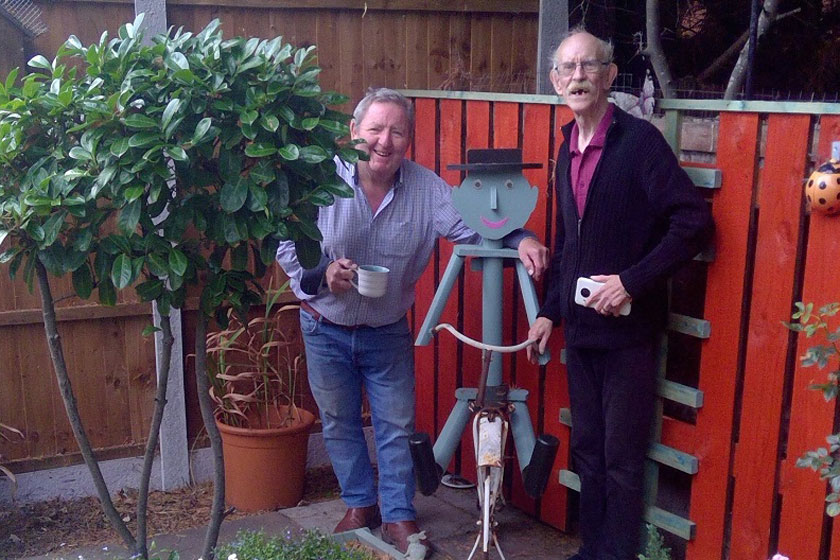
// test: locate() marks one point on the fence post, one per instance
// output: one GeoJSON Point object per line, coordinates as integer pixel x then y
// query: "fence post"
{"type": "Point", "coordinates": [174, 452]}
{"type": "Point", "coordinates": [554, 24]}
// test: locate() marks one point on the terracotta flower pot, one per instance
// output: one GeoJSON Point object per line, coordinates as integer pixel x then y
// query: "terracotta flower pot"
{"type": "Point", "coordinates": [265, 467]}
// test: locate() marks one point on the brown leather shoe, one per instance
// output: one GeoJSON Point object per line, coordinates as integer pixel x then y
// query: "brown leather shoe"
{"type": "Point", "coordinates": [356, 518]}
{"type": "Point", "coordinates": [405, 534]}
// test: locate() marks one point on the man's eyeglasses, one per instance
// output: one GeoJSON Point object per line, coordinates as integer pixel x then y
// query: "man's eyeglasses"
{"type": "Point", "coordinates": [589, 66]}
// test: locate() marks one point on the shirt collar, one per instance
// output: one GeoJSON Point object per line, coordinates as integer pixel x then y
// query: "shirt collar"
{"type": "Point", "coordinates": [600, 133]}
{"type": "Point", "coordinates": [398, 177]}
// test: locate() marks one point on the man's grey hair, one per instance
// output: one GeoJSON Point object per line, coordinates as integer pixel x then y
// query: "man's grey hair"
{"type": "Point", "coordinates": [604, 45]}
{"type": "Point", "coordinates": [384, 95]}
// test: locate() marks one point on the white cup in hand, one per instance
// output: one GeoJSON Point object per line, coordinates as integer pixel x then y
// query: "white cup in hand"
{"type": "Point", "coordinates": [371, 280]}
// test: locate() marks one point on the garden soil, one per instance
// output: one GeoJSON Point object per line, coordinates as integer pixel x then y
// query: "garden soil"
{"type": "Point", "coordinates": [44, 527]}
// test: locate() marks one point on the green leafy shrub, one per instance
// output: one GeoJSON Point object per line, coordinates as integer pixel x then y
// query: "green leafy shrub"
{"type": "Point", "coordinates": [824, 460]}
{"type": "Point", "coordinates": [200, 154]}
{"type": "Point", "coordinates": [301, 545]}
{"type": "Point", "coordinates": [163, 165]}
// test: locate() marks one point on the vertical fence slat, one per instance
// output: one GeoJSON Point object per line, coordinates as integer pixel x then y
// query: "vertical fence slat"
{"type": "Point", "coordinates": [501, 47]}
{"type": "Point", "coordinates": [329, 44]}
{"type": "Point", "coordinates": [480, 45]}
{"type": "Point", "coordinates": [450, 152]}
{"type": "Point", "coordinates": [556, 392]}
{"type": "Point", "coordinates": [477, 136]}
{"type": "Point", "coordinates": [438, 59]}
{"type": "Point", "coordinates": [416, 46]}
{"type": "Point", "coordinates": [764, 370]}
{"type": "Point", "coordinates": [536, 132]}
{"type": "Point", "coordinates": [350, 56]}
{"type": "Point", "coordinates": [811, 418]}
{"type": "Point", "coordinates": [718, 365]}
{"type": "Point", "coordinates": [830, 132]}
{"type": "Point", "coordinates": [424, 154]}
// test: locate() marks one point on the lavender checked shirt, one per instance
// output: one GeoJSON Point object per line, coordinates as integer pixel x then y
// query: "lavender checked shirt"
{"type": "Point", "coordinates": [400, 235]}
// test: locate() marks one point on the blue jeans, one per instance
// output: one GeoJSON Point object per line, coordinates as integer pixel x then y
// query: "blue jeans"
{"type": "Point", "coordinates": [341, 362]}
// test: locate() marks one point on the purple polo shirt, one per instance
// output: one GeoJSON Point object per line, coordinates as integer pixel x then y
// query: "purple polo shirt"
{"type": "Point", "coordinates": [584, 164]}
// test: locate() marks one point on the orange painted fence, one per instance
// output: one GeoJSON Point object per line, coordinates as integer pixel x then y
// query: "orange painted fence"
{"type": "Point", "coordinates": [747, 499]}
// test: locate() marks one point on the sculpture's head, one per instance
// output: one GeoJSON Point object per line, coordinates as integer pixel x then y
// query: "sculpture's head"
{"type": "Point", "coordinates": [495, 198]}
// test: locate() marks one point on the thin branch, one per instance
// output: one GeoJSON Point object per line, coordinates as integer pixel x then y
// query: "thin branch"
{"type": "Point", "coordinates": [733, 49]}
{"type": "Point", "coordinates": [154, 435]}
{"type": "Point", "coordinates": [739, 72]}
{"type": "Point", "coordinates": [206, 406]}
{"type": "Point", "coordinates": [654, 49]}
{"type": "Point", "coordinates": [70, 405]}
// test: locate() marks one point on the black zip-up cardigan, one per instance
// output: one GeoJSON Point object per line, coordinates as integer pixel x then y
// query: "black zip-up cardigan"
{"type": "Point", "coordinates": [643, 219]}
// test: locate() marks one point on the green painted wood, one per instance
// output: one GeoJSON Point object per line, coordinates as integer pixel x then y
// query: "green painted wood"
{"type": "Point", "coordinates": [674, 458]}
{"type": "Point", "coordinates": [481, 251]}
{"type": "Point", "coordinates": [483, 96]}
{"type": "Point", "coordinates": [674, 524]}
{"type": "Point", "coordinates": [683, 394]}
{"type": "Point", "coordinates": [704, 177]}
{"type": "Point", "coordinates": [665, 520]}
{"type": "Point", "coordinates": [716, 105]}
{"type": "Point", "coordinates": [721, 105]}
{"type": "Point", "coordinates": [570, 480]}
{"type": "Point", "coordinates": [673, 129]}
{"type": "Point", "coordinates": [708, 255]}
{"type": "Point", "coordinates": [566, 417]}
{"type": "Point", "coordinates": [698, 328]}
{"type": "Point", "coordinates": [662, 454]}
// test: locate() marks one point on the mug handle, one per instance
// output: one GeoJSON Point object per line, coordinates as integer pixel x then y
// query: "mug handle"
{"type": "Point", "coordinates": [353, 280]}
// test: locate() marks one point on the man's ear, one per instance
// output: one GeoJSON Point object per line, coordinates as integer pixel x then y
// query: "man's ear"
{"type": "Point", "coordinates": [353, 129]}
{"type": "Point", "coordinates": [612, 72]}
{"type": "Point", "coordinates": [554, 75]}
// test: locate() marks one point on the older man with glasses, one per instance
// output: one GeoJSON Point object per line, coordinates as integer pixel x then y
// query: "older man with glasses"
{"type": "Point", "coordinates": [627, 216]}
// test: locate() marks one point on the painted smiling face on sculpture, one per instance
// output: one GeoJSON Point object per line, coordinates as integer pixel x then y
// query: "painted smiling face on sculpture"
{"type": "Point", "coordinates": [494, 203]}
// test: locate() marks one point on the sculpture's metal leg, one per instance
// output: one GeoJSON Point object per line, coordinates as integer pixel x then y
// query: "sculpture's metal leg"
{"type": "Point", "coordinates": [520, 425]}
{"type": "Point", "coordinates": [450, 435]}
{"type": "Point", "coordinates": [439, 301]}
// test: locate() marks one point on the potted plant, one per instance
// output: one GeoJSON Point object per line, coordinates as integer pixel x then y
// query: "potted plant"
{"type": "Point", "coordinates": [254, 367]}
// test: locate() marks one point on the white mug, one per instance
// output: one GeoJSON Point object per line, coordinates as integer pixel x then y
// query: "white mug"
{"type": "Point", "coordinates": [372, 280]}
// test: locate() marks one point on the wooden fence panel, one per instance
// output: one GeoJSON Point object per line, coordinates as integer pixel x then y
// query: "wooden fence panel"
{"type": "Point", "coordinates": [359, 45]}
{"type": "Point", "coordinates": [778, 225]}
{"type": "Point", "coordinates": [829, 132]}
{"type": "Point", "coordinates": [811, 419]}
{"type": "Point", "coordinates": [424, 356]}
{"type": "Point", "coordinates": [536, 139]}
{"type": "Point", "coordinates": [449, 149]}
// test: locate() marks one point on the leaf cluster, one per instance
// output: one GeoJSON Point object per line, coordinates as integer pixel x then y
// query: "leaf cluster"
{"type": "Point", "coordinates": [183, 161]}
{"type": "Point", "coordinates": [298, 545]}
{"type": "Point", "coordinates": [824, 460]}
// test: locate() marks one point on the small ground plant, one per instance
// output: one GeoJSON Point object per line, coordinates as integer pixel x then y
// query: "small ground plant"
{"type": "Point", "coordinates": [655, 548]}
{"type": "Point", "coordinates": [292, 545]}
{"type": "Point", "coordinates": [824, 460]}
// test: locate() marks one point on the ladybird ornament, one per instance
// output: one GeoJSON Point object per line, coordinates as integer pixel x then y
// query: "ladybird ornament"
{"type": "Point", "coordinates": [823, 188]}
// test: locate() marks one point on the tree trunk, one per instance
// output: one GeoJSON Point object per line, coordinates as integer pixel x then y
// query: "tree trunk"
{"type": "Point", "coordinates": [654, 49]}
{"type": "Point", "coordinates": [154, 436]}
{"type": "Point", "coordinates": [206, 405]}
{"type": "Point", "coordinates": [69, 398]}
{"type": "Point", "coordinates": [736, 79]}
